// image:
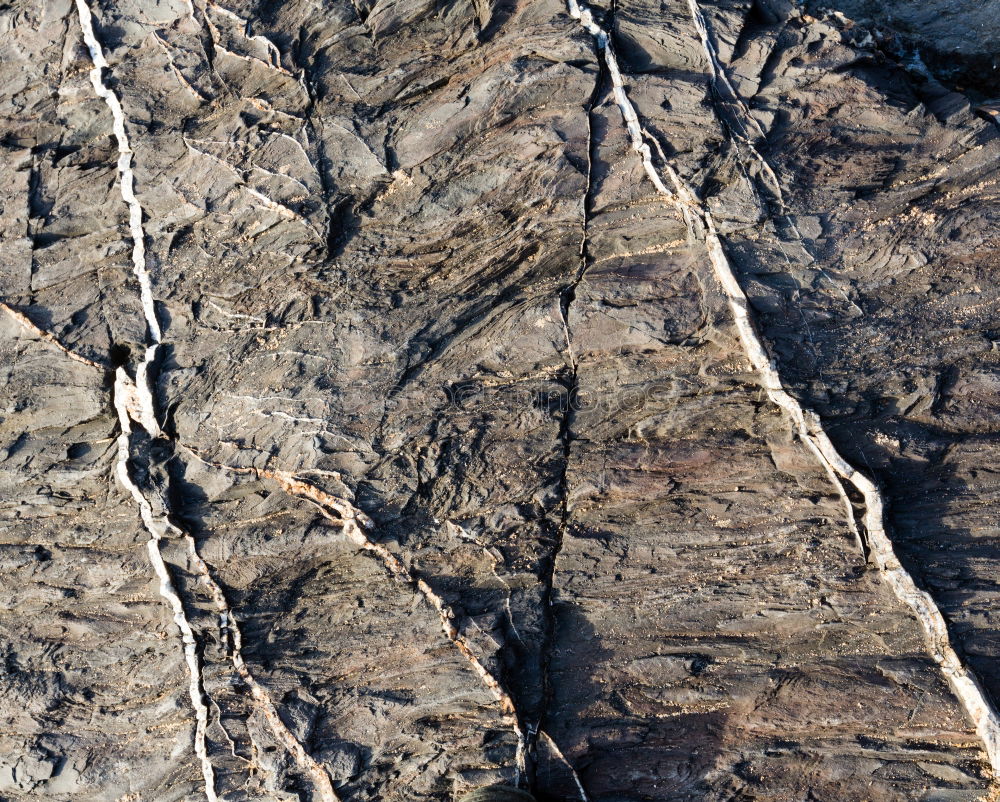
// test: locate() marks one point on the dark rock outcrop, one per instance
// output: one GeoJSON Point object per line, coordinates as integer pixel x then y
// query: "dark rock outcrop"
{"type": "Point", "coordinates": [420, 448]}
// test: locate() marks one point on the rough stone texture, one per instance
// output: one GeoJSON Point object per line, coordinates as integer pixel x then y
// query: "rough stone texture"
{"type": "Point", "coordinates": [406, 252]}
{"type": "Point", "coordinates": [957, 39]}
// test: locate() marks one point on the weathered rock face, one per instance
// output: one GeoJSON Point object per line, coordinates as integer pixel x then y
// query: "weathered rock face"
{"type": "Point", "coordinates": [958, 39]}
{"type": "Point", "coordinates": [450, 464]}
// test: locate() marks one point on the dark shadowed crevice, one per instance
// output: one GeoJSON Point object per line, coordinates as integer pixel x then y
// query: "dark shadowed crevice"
{"type": "Point", "coordinates": [956, 42]}
{"type": "Point", "coordinates": [571, 382]}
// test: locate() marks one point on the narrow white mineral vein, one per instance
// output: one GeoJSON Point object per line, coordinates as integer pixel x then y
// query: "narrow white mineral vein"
{"type": "Point", "coordinates": [23, 321]}
{"type": "Point", "coordinates": [134, 401]}
{"type": "Point", "coordinates": [127, 183]}
{"type": "Point", "coordinates": [272, 48]}
{"type": "Point", "coordinates": [264, 702]}
{"type": "Point", "coordinates": [699, 220]}
{"type": "Point", "coordinates": [558, 753]}
{"type": "Point", "coordinates": [125, 404]}
{"type": "Point", "coordinates": [725, 88]}
{"type": "Point", "coordinates": [718, 74]}
{"type": "Point", "coordinates": [496, 559]}
{"type": "Point", "coordinates": [356, 525]}
{"type": "Point", "coordinates": [728, 93]}
{"type": "Point", "coordinates": [139, 393]}
{"type": "Point", "coordinates": [177, 73]}
{"type": "Point", "coordinates": [586, 19]}
{"type": "Point", "coordinates": [124, 390]}
{"type": "Point", "coordinates": [268, 203]}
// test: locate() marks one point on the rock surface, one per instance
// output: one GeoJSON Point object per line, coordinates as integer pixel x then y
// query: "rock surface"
{"type": "Point", "coordinates": [452, 451]}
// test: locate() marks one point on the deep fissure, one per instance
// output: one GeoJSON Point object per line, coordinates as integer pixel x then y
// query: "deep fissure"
{"type": "Point", "coordinates": [572, 383]}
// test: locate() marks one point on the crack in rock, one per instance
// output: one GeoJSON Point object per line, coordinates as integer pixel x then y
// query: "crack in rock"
{"type": "Point", "coordinates": [357, 525]}
{"type": "Point", "coordinates": [133, 402]}
{"type": "Point", "coordinates": [124, 389]}
{"type": "Point", "coordinates": [701, 226]}
{"type": "Point", "coordinates": [566, 299]}
{"type": "Point", "coordinates": [126, 181]}
{"type": "Point", "coordinates": [25, 322]}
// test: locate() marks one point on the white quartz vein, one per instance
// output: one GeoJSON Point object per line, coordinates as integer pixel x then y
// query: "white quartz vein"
{"type": "Point", "coordinates": [356, 525]}
{"type": "Point", "coordinates": [124, 391]}
{"type": "Point", "coordinates": [701, 225]}
{"type": "Point", "coordinates": [134, 403]}
{"type": "Point", "coordinates": [127, 185]}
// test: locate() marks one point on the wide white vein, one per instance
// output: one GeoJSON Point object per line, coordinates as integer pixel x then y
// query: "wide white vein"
{"type": "Point", "coordinates": [701, 225]}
